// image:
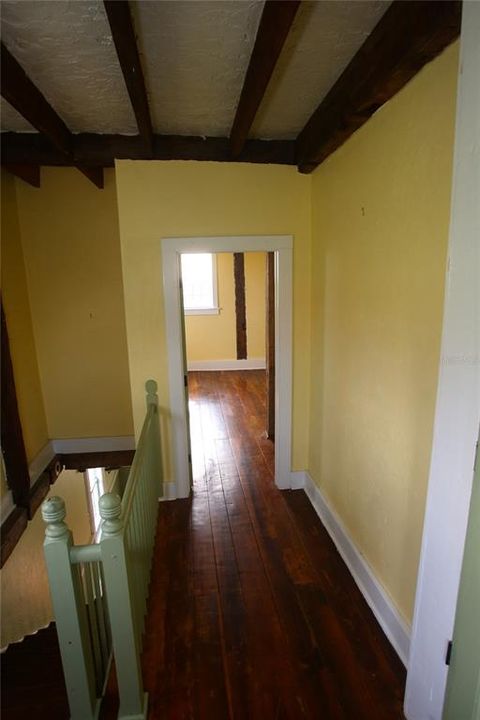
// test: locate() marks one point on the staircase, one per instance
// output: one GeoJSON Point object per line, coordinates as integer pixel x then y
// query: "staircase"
{"type": "Point", "coordinates": [32, 679]}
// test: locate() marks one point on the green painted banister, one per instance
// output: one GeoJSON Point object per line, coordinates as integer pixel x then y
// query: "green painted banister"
{"type": "Point", "coordinates": [85, 553]}
{"type": "Point", "coordinates": [133, 704]}
{"type": "Point", "coordinates": [70, 613]}
{"type": "Point", "coordinates": [100, 591]}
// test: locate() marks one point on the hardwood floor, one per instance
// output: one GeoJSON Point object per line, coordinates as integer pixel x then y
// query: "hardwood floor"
{"type": "Point", "coordinates": [253, 614]}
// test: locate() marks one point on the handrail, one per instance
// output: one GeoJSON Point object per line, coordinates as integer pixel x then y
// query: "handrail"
{"type": "Point", "coordinates": [100, 591]}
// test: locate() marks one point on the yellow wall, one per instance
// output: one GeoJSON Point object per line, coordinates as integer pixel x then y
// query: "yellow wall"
{"type": "Point", "coordinates": [165, 199]}
{"type": "Point", "coordinates": [379, 237]}
{"type": "Point", "coordinates": [213, 337]}
{"type": "Point", "coordinates": [71, 247]}
{"type": "Point", "coordinates": [19, 325]}
{"type": "Point", "coordinates": [25, 596]}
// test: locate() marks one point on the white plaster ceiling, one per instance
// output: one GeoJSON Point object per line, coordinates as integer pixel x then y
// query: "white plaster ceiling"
{"type": "Point", "coordinates": [194, 55]}
{"type": "Point", "coordinates": [325, 36]}
{"type": "Point", "coordinates": [66, 49]}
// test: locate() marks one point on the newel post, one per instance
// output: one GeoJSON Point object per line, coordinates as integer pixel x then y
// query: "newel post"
{"type": "Point", "coordinates": [133, 701]}
{"type": "Point", "coordinates": [70, 612]}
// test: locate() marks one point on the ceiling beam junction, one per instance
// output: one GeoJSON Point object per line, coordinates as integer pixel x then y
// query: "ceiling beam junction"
{"type": "Point", "coordinates": [409, 35]}
{"type": "Point", "coordinates": [26, 98]}
{"type": "Point", "coordinates": [25, 171]}
{"type": "Point", "coordinates": [123, 33]}
{"type": "Point", "coordinates": [275, 24]}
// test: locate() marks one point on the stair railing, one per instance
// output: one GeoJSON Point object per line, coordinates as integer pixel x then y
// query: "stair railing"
{"type": "Point", "coordinates": [99, 591]}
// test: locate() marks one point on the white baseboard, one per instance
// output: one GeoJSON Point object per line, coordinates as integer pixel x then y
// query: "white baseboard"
{"type": "Point", "coordinates": [96, 444]}
{"type": "Point", "coordinates": [169, 491]}
{"type": "Point", "coordinates": [298, 480]}
{"type": "Point", "coordinates": [40, 462]}
{"type": "Point", "coordinates": [387, 615]}
{"type": "Point", "coordinates": [248, 364]}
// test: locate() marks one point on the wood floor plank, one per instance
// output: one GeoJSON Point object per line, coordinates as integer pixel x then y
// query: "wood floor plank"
{"type": "Point", "coordinates": [252, 613]}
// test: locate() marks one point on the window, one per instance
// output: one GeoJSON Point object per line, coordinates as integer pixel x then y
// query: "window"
{"type": "Point", "coordinates": [95, 490]}
{"type": "Point", "coordinates": [199, 281]}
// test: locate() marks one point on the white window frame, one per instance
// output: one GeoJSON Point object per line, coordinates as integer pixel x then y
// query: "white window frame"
{"type": "Point", "coordinates": [92, 510]}
{"type": "Point", "coordinates": [214, 310]}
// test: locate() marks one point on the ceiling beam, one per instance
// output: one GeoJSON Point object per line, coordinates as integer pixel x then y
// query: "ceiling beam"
{"type": "Point", "coordinates": [26, 98]}
{"type": "Point", "coordinates": [94, 174]}
{"type": "Point", "coordinates": [101, 150]}
{"type": "Point", "coordinates": [26, 172]}
{"type": "Point", "coordinates": [123, 33]}
{"type": "Point", "coordinates": [275, 24]}
{"type": "Point", "coordinates": [409, 35]}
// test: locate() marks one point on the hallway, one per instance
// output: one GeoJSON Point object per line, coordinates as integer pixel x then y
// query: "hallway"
{"type": "Point", "coordinates": [253, 614]}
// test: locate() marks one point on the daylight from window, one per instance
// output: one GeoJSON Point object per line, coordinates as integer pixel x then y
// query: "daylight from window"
{"type": "Point", "coordinates": [199, 283]}
{"type": "Point", "coordinates": [95, 489]}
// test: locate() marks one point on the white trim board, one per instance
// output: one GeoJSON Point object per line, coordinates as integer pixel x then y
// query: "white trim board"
{"type": "Point", "coordinates": [388, 617]}
{"type": "Point", "coordinates": [210, 365]}
{"type": "Point", "coordinates": [282, 246]}
{"type": "Point", "coordinates": [68, 446]}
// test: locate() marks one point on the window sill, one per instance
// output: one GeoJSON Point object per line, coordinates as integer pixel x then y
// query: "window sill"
{"type": "Point", "coordinates": [202, 311]}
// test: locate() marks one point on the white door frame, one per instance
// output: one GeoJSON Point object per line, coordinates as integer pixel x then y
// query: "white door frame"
{"type": "Point", "coordinates": [457, 411]}
{"type": "Point", "coordinates": [282, 246]}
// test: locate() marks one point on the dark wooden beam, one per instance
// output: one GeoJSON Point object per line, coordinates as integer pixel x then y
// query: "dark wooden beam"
{"type": "Point", "coordinates": [26, 98]}
{"type": "Point", "coordinates": [409, 35]}
{"type": "Point", "coordinates": [101, 150]}
{"type": "Point", "coordinates": [240, 305]}
{"type": "Point", "coordinates": [121, 25]}
{"type": "Point", "coordinates": [94, 174]}
{"type": "Point", "coordinates": [28, 173]}
{"type": "Point", "coordinates": [275, 24]}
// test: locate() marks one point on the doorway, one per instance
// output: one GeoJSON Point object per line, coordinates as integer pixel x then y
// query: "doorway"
{"type": "Point", "coordinates": [172, 249]}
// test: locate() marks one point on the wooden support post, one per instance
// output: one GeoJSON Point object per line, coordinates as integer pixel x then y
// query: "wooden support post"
{"type": "Point", "coordinates": [70, 613]}
{"type": "Point", "coordinates": [133, 702]}
{"type": "Point", "coordinates": [240, 306]}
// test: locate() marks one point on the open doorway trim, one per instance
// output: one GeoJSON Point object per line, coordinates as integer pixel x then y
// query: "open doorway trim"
{"type": "Point", "coordinates": [282, 246]}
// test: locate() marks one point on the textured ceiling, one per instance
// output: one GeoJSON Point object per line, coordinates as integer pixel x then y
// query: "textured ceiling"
{"type": "Point", "coordinates": [12, 120]}
{"type": "Point", "coordinates": [324, 38]}
{"type": "Point", "coordinates": [66, 49]}
{"type": "Point", "coordinates": [194, 56]}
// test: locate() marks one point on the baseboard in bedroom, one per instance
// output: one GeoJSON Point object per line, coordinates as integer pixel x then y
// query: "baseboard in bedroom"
{"type": "Point", "coordinates": [388, 617]}
{"type": "Point", "coordinates": [248, 364]}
